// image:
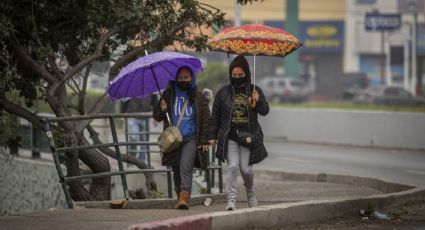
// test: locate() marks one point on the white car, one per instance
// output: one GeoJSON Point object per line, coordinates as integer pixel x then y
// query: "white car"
{"type": "Point", "coordinates": [284, 89]}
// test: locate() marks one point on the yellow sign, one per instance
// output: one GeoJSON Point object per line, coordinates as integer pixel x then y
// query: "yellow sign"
{"type": "Point", "coordinates": [322, 31]}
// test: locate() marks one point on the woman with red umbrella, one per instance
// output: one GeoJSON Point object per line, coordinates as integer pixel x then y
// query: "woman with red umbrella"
{"type": "Point", "coordinates": [234, 127]}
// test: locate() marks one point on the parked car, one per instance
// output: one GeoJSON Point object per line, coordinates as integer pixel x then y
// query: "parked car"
{"type": "Point", "coordinates": [284, 89]}
{"type": "Point", "coordinates": [388, 95]}
{"type": "Point", "coordinates": [353, 84]}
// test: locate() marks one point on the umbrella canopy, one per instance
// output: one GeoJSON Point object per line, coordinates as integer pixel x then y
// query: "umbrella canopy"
{"type": "Point", "coordinates": [150, 74]}
{"type": "Point", "coordinates": [254, 39]}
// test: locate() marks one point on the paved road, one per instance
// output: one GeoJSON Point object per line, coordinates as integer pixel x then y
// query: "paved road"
{"type": "Point", "coordinates": [401, 166]}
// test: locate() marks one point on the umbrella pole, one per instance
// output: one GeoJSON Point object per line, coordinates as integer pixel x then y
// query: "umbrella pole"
{"type": "Point", "coordinates": [256, 22]}
{"type": "Point", "coordinates": [251, 101]}
{"type": "Point", "coordinates": [254, 69]}
{"type": "Point", "coordinates": [160, 94]}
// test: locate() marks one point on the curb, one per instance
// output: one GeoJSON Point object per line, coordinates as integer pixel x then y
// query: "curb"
{"type": "Point", "coordinates": [381, 185]}
{"type": "Point", "coordinates": [269, 216]}
{"type": "Point", "coordinates": [200, 221]}
{"type": "Point", "coordinates": [278, 215]}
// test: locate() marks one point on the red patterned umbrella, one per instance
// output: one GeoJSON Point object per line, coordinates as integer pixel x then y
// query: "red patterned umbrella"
{"type": "Point", "coordinates": [254, 39]}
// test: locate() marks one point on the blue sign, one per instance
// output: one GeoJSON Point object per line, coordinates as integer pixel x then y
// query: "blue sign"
{"type": "Point", "coordinates": [322, 36]}
{"type": "Point", "coordinates": [366, 2]}
{"type": "Point", "coordinates": [382, 22]}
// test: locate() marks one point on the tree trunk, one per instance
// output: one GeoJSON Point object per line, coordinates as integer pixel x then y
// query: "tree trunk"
{"type": "Point", "coordinates": [100, 188]}
{"type": "Point", "coordinates": [150, 181]}
{"type": "Point", "coordinates": [76, 188]}
{"type": "Point", "coordinates": [98, 163]}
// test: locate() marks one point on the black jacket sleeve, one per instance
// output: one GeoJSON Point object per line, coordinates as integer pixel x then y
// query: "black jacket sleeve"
{"type": "Point", "coordinates": [262, 106]}
{"type": "Point", "coordinates": [215, 116]}
{"type": "Point", "coordinates": [205, 117]}
{"type": "Point", "coordinates": [158, 114]}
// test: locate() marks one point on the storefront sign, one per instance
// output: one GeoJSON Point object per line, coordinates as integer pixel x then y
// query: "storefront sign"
{"type": "Point", "coordinates": [322, 36]}
{"type": "Point", "coordinates": [317, 36]}
{"type": "Point", "coordinates": [370, 2]}
{"type": "Point", "coordinates": [382, 22]}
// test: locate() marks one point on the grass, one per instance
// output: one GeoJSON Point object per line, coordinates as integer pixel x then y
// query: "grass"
{"type": "Point", "coordinates": [348, 106]}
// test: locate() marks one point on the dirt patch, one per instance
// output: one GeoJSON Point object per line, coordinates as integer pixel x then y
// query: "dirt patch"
{"type": "Point", "coordinates": [410, 215]}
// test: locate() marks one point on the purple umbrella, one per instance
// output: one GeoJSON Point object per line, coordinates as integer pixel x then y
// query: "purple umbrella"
{"type": "Point", "coordinates": [150, 74]}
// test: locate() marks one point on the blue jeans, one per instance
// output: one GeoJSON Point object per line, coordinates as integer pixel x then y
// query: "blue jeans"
{"type": "Point", "coordinates": [238, 159]}
{"type": "Point", "coordinates": [183, 172]}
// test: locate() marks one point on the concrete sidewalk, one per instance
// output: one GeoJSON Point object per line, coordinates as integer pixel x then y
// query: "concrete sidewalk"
{"type": "Point", "coordinates": [283, 197]}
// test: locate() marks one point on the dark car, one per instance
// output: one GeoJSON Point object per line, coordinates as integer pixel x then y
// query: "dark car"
{"type": "Point", "coordinates": [388, 95]}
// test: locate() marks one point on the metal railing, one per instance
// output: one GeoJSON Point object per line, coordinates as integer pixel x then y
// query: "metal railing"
{"type": "Point", "coordinates": [64, 180]}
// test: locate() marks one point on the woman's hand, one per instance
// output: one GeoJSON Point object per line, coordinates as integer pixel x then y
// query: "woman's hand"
{"type": "Point", "coordinates": [212, 142]}
{"type": "Point", "coordinates": [253, 99]}
{"type": "Point", "coordinates": [163, 105]}
{"type": "Point", "coordinates": [204, 147]}
{"type": "Point", "coordinates": [255, 96]}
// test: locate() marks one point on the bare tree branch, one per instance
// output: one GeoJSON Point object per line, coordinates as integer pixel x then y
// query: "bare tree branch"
{"type": "Point", "coordinates": [204, 4]}
{"type": "Point", "coordinates": [97, 107]}
{"type": "Point", "coordinates": [124, 60]}
{"type": "Point", "coordinates": [20, 51]}
{"type": "Point", "coordinates": [54, 66]}
{"type": "Point", "coordinates": [19, 111]}
{"type": "Point", "coordinates": [82, 94]}
{"type": "Point", "coordinates": [128, 57]}
{"type": "Point", "coordinates": [72, 87]}
{"type": "Point", "coordinates": [97, 54]}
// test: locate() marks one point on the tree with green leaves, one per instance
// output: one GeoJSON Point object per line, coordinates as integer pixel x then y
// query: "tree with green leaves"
{"type": "Point", "coordinates": [47, 49]}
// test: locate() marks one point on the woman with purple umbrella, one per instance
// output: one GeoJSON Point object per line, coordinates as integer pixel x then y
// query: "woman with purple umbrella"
{"type": "Point", "coordinates": [184, 102]}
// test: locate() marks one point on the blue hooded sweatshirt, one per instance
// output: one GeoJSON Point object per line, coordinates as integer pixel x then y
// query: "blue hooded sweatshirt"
{"type": "Point", "coordinates": [188, 124]}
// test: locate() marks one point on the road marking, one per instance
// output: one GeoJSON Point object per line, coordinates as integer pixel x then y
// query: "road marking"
{"type": "Point", "coordinates": [416, 172]}
{"type": "Point", "coordinates": [297, 160]}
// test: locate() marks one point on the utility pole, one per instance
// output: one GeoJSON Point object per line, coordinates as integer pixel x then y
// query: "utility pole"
{"type": "Point", "coordinates": [415, 78]}
{"type": "Point", "coordinates": [237, 20]}
{"type": "Point", "coordinates": [413, 7]}
{"type": "Point", "coordinates": [292, 25]}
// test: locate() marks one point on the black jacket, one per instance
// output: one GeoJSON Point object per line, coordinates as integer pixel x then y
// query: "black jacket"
{"type": "Point", "coordinates": [219, 126]}
{"type": "Point", "coordinates": [203, 114]}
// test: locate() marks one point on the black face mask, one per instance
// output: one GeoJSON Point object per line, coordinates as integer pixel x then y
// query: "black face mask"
{"type": "Point", "coordinates": [184, 85]}
{"type": "Point", "coordinates": [238, 82]}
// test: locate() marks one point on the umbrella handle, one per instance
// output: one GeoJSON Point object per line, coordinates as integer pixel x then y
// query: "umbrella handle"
{"type": "Point", "coordinates": [168, 118]}
{"type": "Point", "coordinates": [252, 102]}
{"type": "Point", "coordinates": [254, 70]}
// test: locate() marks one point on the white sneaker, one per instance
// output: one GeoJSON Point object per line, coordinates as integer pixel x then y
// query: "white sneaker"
{"type": "Point", "coordinates": [252, 200]}
{"type": "Point", "coordinates": [231, 205]}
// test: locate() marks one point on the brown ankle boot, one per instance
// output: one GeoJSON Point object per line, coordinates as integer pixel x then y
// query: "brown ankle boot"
{"type": "Point", "coordinates": [183, 200]}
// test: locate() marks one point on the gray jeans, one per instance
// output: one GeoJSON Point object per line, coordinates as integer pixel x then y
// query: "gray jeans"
{"type": "Point", "coordinates": [238, 158]}
{"type": "Point", "coordinates": [182, 173]}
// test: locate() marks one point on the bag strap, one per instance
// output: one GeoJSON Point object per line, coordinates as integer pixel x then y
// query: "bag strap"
{"type": "Point", "coordinates": [182, 112]}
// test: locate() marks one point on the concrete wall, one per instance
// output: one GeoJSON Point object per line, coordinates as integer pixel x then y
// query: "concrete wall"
{"type": "Point", "coordinates": [358, 128]}
{"type": "Point", "coordinates": [27, 185]}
